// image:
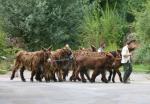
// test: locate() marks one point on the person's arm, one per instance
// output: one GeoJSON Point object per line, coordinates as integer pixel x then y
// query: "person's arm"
{"type": "Point", "coordinates": [126, 55]}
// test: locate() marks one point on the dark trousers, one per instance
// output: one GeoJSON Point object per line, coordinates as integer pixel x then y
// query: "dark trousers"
{"type": "Point", "coordinates": [127, 71]}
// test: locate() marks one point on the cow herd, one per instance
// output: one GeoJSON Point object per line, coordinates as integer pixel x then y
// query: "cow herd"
{"type": "Point", "coordinates": [56, 65]}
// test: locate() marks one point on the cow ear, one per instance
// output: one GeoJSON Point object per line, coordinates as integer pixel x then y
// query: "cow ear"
{"type": "Point", "coordinates": [82, 48]}
{"type": "Point", "coordinates": [50, 48]}
{"type": "Point", "coordinates": [43, 49]}
{"type": "Point", "coordinates": [93, 48]}
{"type": "Point", "coordinates": [109, 55]}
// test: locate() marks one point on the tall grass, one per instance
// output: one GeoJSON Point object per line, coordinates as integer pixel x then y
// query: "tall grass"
{"type": "Point", "coordinates": [102, 25]}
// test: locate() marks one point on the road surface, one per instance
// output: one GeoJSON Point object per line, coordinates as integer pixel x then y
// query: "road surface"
{"type": "Point", "coordinates": [17, 92]}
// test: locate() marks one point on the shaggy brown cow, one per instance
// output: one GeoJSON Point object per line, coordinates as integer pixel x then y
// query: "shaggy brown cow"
{"type": "Point", "coordinates": [70, 64]}
{"type": "Point", "coordinates": [77, 53]}
{"type": "Point", "coordinates": [98, 64]}
{"type": "Point", "coordinates": [49, 73]}
{"type": "Point", "coordinates": [32, 61]}
{"type": "Point", "coordinates": [111, 69]}
{"type": "Point", "coordinates": [116, 66]}
{"type": "Point", "coordinates": [85, 53]}
{"type": "Point", "coordinates": [60, 60]}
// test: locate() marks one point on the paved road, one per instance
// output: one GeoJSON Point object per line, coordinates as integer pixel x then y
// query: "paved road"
{"type": "Point", "coordinates": [17, 92]}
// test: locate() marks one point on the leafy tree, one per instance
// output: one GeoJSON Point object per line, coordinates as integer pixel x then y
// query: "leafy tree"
{"type": "Point", "coordinates": [42, 22]}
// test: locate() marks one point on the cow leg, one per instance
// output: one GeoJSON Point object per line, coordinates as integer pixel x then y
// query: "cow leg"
{"type": "Point", "coordinates": [110, 74]}
{"type": "Point", "coordinates": [14, 70]}
{"type": "Point", "coordinates": [77, 73]}
{"type": "Point", "coordinates": [94, 75]}
{"type": "Point", "coordinates": [65, 74]}
{"type": "Point", "coordinates": [39, 74]}
{"type": "Point", "coordinates": [87, 75]}
{"type": "Point", "coordinates": [54, 78]}
{"type": "Point", "coordinates": [48, 75]}
{"type": "Point", "coordinates": [74, 72]}
{"type": "Point", "coordinates": [113, 78]}
{"type": "Point", "coordinates": [78, 78]}
{"type": "Point", "coordinates": [32, 75]}
{"type": "Point", "coordinates": [82, 76]}
{"type": "Point", "coordinates": [104, 77]}
{"type": "Point", "coordinates": [21, 74]}
{"type": "Point", "coordinates": [119, 74]}
{"type": "Point", "coordinates": [73, 77]}
{"type": "Point", "coordinates": [47, 78]}
{"type": "Point", "coordinates": [59, 74]}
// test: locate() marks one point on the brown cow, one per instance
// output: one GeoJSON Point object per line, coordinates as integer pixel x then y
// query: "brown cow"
{"type": "Point", "coordinates": [77, 53]}
{"type": "Point", "coordinates": [98, 64]}
{"type": "Point", "coordinates": [117, 64]}
{"type": "Point", "coordinates": [111, 69]}
{"type": "Point", "coordinates": [85, 53]}
{"type": "Point", "coordinates": [32, 61]}
{"type": "Point", "coordinates": [59, 61]}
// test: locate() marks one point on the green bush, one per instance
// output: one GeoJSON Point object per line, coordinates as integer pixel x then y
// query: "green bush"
{"type": "Point", "coordinates": [2, 42]}
{"type": "Point", "coordinates": [143, 31]}
{"type": "Point", "coordinates": [4, 66]}
{"type": "Point", "coordinates": [42, 23]}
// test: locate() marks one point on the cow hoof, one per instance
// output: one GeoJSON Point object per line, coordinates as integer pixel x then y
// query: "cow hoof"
{"type": "Point", "coordinates": [60, 80]}
{"type": "Point", "coordinates": [40, 80]}
{"type": "Point", "coordinates": [31, 80]}
{"type": "Point", "coordinates": [79, 79]}
{"type": "Point", "coordinates": [84, 81]}
{"type": "Point", "coordinates": [55, 80]}
{"type": "Point", "coordinates": [92, 81]}
{"type": "Point", "coordinates": [121, 81]}
{"type": "Point", "coordinates": [11, 78]}
{"type": "Point", "coordinates": [23, 80]}
{"type": "Point", "coordinates": [106, 81]}
{"type": "Point", "coordinates": [74, 80]}
{"type": "Point", "coordinates": [113, 81]}
{"type": "Point", "coordinates": [47, 81]}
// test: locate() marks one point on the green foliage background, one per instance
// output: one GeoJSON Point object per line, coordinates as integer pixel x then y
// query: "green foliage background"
{"type": "Point", "coordinates": [79, 23]}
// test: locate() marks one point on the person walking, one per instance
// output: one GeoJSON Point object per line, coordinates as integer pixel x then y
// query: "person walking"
{"type": "Point", "coordinates": [126, 59]}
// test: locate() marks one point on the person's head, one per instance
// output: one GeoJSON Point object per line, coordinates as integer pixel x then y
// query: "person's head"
{"type": "Point", "coordinates": [131, 44]}
{"type": "Point", "coordinates": [102, 44]}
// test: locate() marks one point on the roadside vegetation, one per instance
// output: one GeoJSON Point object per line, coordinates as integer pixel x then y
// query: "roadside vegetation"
{"type": "Point", "coordinates": [33, 24]}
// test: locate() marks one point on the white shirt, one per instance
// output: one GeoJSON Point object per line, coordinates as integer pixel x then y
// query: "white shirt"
{"type": "Point", "coordinates": [125, 51]}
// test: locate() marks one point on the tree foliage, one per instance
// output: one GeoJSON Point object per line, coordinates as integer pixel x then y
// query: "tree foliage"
{"type": "Point", "coordinates": [143, 31]}
{"type": "Point", "coordinates": [42, 22]}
